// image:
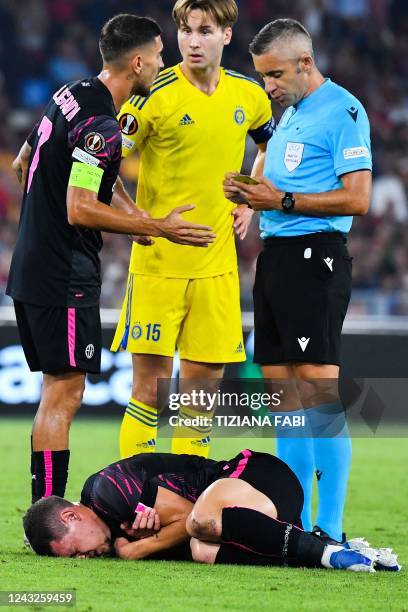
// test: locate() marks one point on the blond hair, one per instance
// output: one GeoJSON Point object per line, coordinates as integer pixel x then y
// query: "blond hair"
{"type": "Point", "coordinates": [223, 12]}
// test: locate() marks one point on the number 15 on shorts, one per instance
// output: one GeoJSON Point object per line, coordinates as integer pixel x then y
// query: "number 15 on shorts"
{"type": "Point", "coordinates": [151, 331]}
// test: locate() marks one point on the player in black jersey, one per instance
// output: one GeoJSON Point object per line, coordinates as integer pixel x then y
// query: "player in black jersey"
{"type": "Point", "coordinates": [69, 166]}
{"type": "Point", "coordinates": [242, 511]}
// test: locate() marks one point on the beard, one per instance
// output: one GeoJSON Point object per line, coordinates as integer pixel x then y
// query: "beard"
{"type": "Point", "coordinates": [139, 89]}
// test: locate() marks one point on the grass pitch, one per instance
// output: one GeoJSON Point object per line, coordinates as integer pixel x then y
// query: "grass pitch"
{"type": "Point", "coordinates": [376, 508]}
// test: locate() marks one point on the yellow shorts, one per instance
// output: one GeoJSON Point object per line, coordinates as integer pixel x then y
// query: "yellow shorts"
{"type": "Point", "coordinates": [199, 317]}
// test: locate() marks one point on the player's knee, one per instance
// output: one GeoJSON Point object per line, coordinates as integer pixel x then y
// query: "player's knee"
{"type": "Point", "coordinates": [318, 391]}
{"type": "Point", "coordinates": [71, 400]}
{"type": "Point", "coordinates": [75, 397]}
{"type": "Point", "coordinates": [146, 393]}
{"type": "Point", "coordinates": [203, 552]}
{"type": "Point", "coordinates": [189, 525]}
{"type": "Point", "coordinates": [203, 527]}
{"type": "Point", "coordinates": [63, 403]}
{"type": "Point", "coordinates": [146, 390]}
{"type": "Point", "coordinates": [147, 370]}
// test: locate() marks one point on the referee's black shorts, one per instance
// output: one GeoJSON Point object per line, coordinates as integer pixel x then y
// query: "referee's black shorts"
{"type": "Point", "coordinates": [57, 339]}
{"type": "Point", "coordinates": [301, 294]}
{"type": "Point", "coordinates": [273, 478]}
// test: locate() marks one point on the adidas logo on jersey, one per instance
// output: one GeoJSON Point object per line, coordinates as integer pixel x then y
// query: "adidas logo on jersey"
{"type": "Point", "coordinates": [240, 348]}
{"type": "Point", "coordinates": [186, 120]}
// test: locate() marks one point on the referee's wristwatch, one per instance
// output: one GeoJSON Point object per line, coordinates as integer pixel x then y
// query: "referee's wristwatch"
{"type": "Point", "coordinates": [288, 202]}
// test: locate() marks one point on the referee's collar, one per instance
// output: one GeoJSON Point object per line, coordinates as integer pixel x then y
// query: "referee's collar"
{"type": "Point", "coordinates": [311, 98]}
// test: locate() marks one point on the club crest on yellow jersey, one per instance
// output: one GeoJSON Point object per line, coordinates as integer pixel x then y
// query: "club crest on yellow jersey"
{"type": "Point", "coordinates": [239, 115]}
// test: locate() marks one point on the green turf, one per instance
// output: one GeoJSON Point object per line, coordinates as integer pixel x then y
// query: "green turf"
{"type": "Point", "coordinates": [377, 509]}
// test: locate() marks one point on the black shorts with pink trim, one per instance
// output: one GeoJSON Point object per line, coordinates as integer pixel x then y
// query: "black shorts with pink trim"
{"type": "Point", "coordinates": [273, 478]}
{"type": "Point", "coordinates": [57, 339]}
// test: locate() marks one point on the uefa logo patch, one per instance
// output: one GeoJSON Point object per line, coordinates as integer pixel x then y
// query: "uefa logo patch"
{"type": "Point", "coordinates": [89, 351]}
{"type": "Point", "coordinates": [128, 124]}
{"type": "Point", "coordinates": [136, 331]}
{"type": "Point", "coordinates": [239, 116]}
{"type": "Point", "coordinates": [94, 142]}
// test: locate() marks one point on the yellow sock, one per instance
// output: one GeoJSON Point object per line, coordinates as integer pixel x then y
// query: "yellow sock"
{"type": "Point", "coordinates": [191, 440]}
{"type": "Point", "coordinates": [138, 431]}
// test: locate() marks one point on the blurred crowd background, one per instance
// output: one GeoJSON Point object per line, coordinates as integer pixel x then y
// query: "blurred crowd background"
{"type": "Point", "coordinates": [360, 44]}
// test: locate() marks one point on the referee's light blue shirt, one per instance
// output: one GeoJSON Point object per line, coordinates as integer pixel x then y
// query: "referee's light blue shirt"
{"type": "Point", "coordinates": [325, 135]}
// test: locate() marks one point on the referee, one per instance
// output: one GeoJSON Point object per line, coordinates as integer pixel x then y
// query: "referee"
{"type": "Point", "coordinates": [317, 175]}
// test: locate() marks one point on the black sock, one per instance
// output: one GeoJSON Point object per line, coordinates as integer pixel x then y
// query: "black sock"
{"type": "Point", "coordinates": [50, 469]}
{"type": "Point", "coordinates": [33, 479]}
{"type": "Point", "coordinates": [258, 534]}
{"type": "Point", "coordinates": [231, 554]}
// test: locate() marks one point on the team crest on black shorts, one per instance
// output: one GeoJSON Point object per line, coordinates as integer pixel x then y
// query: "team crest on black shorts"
{"type": "Point", "coordinates": [94, 142]}
{"type": "Point", "coordinates": [89, 351]}
{"type": "Point", "coordinates": [128, 124]}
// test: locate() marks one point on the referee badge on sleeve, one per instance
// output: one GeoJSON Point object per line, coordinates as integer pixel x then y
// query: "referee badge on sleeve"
{"type": "Point", "coordinates": [293, 155]}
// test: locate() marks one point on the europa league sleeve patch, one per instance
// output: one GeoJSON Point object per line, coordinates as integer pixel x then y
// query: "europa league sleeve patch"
{"type": "Point", "coordinates": [94, 142]}
{"type": "Point", "coordinates": [128, 124]}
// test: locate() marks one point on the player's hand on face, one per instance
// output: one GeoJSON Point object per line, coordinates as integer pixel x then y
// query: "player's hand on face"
{"type": "Point", "coordinates": [230, 192]}
{"type": "Point", "coordinates": [263, 196]}
{"type": "Point", "coordinates": [123, 548]}
{"type": "Point", "coordinates": [146, 524]}
{"type": "Point", "coordinates": [147, 520]}
{"type": "Point", "coordinates": [242, 220]}
{"type": "Point", "coordinates": [176, 229]}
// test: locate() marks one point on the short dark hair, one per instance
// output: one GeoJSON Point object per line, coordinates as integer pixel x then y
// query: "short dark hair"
{"type": "Point", "coordinates": [280, 28]}
{"type": "Point", "coordinates": [42, 524]}
{"type": "Point", "coordinates": [125, 32]}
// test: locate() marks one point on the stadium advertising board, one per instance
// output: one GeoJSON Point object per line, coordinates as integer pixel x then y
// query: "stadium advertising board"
{"type": "Point", "coordinates": [370, 398]}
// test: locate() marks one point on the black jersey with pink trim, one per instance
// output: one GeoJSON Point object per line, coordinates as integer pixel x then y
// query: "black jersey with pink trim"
{"type": "Point", "coordinates": [115, 492]}
{"type": "Point", "coordinates": [55, 263]}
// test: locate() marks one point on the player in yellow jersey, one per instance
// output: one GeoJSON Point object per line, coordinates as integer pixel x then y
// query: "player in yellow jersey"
{"type": "Point", "coordinates": [190, 131]}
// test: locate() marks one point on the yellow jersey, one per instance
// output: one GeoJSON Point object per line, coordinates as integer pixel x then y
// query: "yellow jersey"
{"type": "Point", "coordinates": [187, 142]}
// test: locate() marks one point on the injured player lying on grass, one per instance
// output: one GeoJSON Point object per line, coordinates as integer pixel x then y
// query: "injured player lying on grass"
{"type": "Point", "coordinates": [243, 511]}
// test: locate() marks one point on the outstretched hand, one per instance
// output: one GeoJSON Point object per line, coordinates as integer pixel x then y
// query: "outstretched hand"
{"type": "Point", "coordinates": [178, 230]}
